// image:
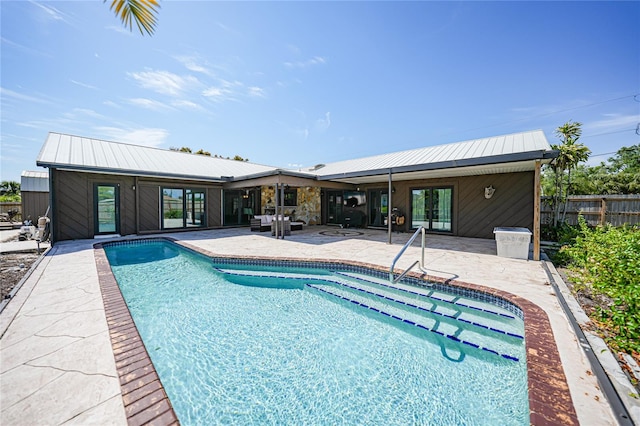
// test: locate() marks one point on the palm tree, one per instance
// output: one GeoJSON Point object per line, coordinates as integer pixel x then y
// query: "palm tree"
{"type": "Point", "coordinates": [143, 12]}
{"type": "Point", "coordinates": [571, 154]}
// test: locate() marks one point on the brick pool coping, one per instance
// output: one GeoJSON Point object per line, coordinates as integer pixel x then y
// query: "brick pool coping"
{"type": "Point", "coordinates": [146, 402]}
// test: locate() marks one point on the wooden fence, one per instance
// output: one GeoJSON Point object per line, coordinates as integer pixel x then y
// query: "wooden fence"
{"type": "Point", "coordinates": [596, 209]}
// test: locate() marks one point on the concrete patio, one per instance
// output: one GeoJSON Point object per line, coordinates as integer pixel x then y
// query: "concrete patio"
{"type": "Point", "coordinates": [56, 360]}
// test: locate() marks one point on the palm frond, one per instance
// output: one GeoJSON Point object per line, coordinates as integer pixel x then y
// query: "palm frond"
{"type": "Point", "coordinates": [142, 12]}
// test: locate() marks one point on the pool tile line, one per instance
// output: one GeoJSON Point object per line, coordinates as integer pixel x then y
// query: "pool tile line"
{"type": "Point", "coordinates": [144, 398]}
{"type": "Point", "coordinates": [550, 401]}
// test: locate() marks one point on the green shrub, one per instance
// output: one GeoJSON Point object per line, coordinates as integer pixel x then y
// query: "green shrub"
{"type": "Point", "coordinates": [607, 260]}
{"type": "Point", "coordinates": [173, 214]}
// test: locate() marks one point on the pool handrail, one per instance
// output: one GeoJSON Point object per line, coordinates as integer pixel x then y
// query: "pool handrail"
{"type": "Point", "coordinates": [402, 250]}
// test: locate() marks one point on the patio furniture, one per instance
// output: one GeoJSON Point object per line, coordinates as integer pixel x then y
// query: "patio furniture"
{"type": "Point", "coordinates": [354, 218]}
{"type": "Point", "coordinates": [287, 227]}
{"type": "Point", "coordinates": [262, 223]}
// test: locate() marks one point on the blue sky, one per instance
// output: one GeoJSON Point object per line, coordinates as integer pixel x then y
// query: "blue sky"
{"type": "Point", "coordinates": [293, 84]}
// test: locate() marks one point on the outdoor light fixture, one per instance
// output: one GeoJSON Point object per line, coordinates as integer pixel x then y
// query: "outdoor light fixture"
{"type": "Point", "coordinates": [488, 191]}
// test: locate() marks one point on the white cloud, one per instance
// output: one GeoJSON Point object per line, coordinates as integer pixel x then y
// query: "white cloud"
{"type": "Point", "coordinates": [85, 85]}
{"type": "Point", "coordinates": [613, 121]}
{"type": "Point", "coordinates": [149, 104]}
{"type": "Point", "coordinates": [256, 92]}
{"type": "Point", "coordinates": [294, 49]}
{"type": "Point", "coordinates": [185, 104]}
{"type": "Point", "coordinates": [164, 82]}
{"type": "Point", "coordinates": [191, 63]}
{"type": "Point", "coordinates": [111, 104]}
{"type": "Point", "coordinates": [120, 30]}
{"type": "Point", "coordinates": [82, 112]}
{"type": "Point", "coordinates": [22, 97]}
{"type": "Point", "coordinates": [322, 124]}
{"type": "Point", "coordinates": [223, 92]}
{"type": "Point", "coordinates": [316, 60]}
{"type": "Point", "coordinates": [50, 12]}
{"type": "Point", "coordinates": [147, 137]}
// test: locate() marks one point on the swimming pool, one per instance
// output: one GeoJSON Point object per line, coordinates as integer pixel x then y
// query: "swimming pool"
{"type": "Point", "coordinates": [247, 342]}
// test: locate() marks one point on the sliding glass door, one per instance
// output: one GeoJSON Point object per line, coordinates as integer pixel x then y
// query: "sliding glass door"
{"type": "Point", "coordinates": [183, 208]}
{"type": "Point", "coordinates": [432, 208]}
{"type": "Point", "coordinates": [240, 206]}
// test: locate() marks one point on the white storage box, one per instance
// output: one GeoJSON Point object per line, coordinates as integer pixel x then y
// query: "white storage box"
{"type": "Point", "coordinates": [513, 242]}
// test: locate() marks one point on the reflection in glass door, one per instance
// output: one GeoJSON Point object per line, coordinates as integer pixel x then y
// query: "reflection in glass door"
{"type": "Point", "coordinates": [240, 206]}
{"type": "Point", "coordinates": [195, 208]}
{"type": "Point", "coordinates": [334, 207]}
{"type": "Point", "coordinates": [106, 209]}
{"type": "Point", "coordinates": [378, 207]}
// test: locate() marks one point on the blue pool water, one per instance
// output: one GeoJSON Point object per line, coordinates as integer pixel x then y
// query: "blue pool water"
{"type": "Point", "coordinates": [263, 344]}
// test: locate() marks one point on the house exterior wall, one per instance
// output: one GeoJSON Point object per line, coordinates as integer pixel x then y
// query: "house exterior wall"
{"type": "Point", "coordinates": [73, 210]}
{"type": "Point", "coordinates": [140, 211]}
{"type": "Point", "coordinates": [72, 214]}
{"type": "Point", "coordinates": [510, 205]}
{"type": "Point", "coordinates": [473, 214]}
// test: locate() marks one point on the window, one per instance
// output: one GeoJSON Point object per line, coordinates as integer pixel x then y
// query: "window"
{"type": "Point", "coordinates": [107, 209]}
{"type": "Point", "coordinates": [432, 208]}
{"type": "Point", "coordinates": [183, 208]}
{"type": "Point", "coordinates": [290, 197]}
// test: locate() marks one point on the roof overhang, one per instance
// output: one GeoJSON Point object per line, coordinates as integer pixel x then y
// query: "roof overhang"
{"type": "Point", "coordinates": [444, 170]}
{"type": "Point", "coordinates": [84, 169]}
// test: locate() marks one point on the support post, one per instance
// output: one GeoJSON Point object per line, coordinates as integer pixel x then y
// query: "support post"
{"type": "Point", "coordinates": [536, 212]}
{"type": "Point", "coordinates": [282, 209]}
{"type": "Point", "coordinates": [276, 187]}
{"type": "Point", "coordinates": [389, 207]}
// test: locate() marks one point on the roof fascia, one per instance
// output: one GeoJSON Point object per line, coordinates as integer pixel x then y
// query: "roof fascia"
{"type": "Point", "coordinates": [130, 172]}
{"type": "Point", "coordinates": [451, 164]}
{"type": "Point", "coordinates": [275, 172]}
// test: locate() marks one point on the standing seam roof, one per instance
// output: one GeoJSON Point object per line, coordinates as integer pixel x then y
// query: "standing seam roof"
{"type": "Point", "coordinates": [74, 152]}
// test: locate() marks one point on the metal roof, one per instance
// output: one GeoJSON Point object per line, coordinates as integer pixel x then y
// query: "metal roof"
{"type": "Point", "coordinates": [33, 181]}
{"type": "Point", "coordinates": [94, 155]}
{"type": "Point", "coordinates": [497, 154]}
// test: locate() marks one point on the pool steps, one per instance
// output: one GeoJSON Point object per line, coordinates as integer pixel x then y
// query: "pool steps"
{"type": "Point", "coordinates": [439, 299]}
{"type": "Point", "coordinates": [442, 323]}
{"type": "Point", "coordinates": [432, 311]}
{"type": "Point", "coordinates": [347, 284]}
{"type": "Point", "coordinates": [423, 327]}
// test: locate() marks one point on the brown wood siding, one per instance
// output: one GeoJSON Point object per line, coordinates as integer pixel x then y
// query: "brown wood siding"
{"type": "Point", "coordinates": [34, 204]}
{"type": "Point", "coordinates": [510, 205]}
{"type": "Point", "coordinates": [214, 207]}
{"type": "Point", "coordinates": [72, 218]}
{"type": "Point", "coordinates": [149, 202]}
{"type": "Point", "coordinates": [474, 215]}
{"type": "Point", "coordinates": [73, 198]}
{"type": "Point", "coordinates": [74, 213]}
